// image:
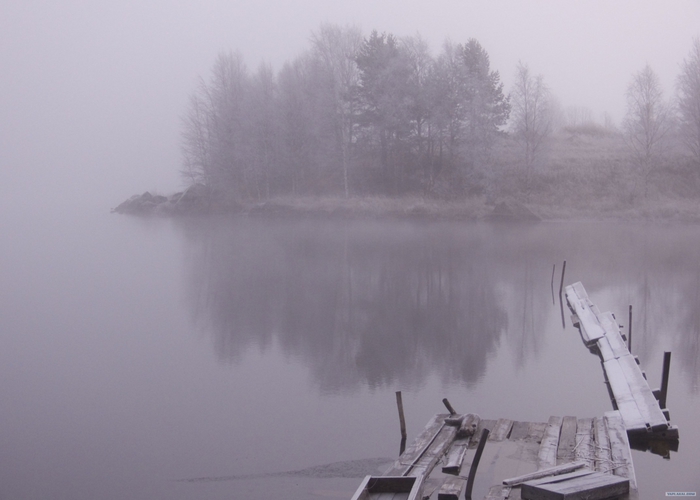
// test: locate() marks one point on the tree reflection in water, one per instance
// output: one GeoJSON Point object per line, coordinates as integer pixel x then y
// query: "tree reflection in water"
{"type": "Point", "coordinates": [378, 303]}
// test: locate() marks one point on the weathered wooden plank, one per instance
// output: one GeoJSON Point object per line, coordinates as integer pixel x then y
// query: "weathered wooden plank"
{"type": "Point", "coordinates": [519, 431]}
{"type": "Point", "coordinates": [455, 456]}
{"type": "Point", "coordinates": [602, 445]}
{"type": "Point", "coordinates": [589, 326]}
{"type": "Point", "coordinates": [612, 334]}
{"type": "Point", "coordinates": [418, 447]}
{"type": "Point", "coordinates": [620, 448]}
{"type": "Point", "coordinates": [624, 399]}
{"type": "Point", "coordinates": [501, 430]}
{"type": "Point", "coordinates": [483, 424]}
{"type": "Point", "coordinates": [567, 441]}
{"type": "Point", "coordinates": [536, 432]}
{"type": "Point", "coordinates": [427, 462]}
{"type": "Point", "coordinates": [548, 472]}
{"type": "Point", "coordinates": [605, 349]}
{"type": "Point", "coordinates": [642, 393]}
{"type": "Point", "coordinates": [560, 477]}
{"type": "Point", "coordinates": [594, 486]}
{"type": "Point", "coordinates": [585, 444]}
{"type": "Point", "coordinates": [547, 455]}
{"type": "Point", "coordinates": [452, 488]}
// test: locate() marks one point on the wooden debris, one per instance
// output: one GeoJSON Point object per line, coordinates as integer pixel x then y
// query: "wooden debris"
{"type": "Point", "coordinates": [455, 456]}
{"type": "Point", "coordinates": [468, 426]}
{"type": "Point", "coordinates": [549, 472]}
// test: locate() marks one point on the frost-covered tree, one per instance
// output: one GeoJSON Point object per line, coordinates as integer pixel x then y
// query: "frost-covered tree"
{"type": "Point", "coordinates": [648, 121]}
{"type": "Point", "coordinates": [531, 114]}
{"type": "Point", "coordinates": [335, 48]}
{"type": "Point", "coordinates": [688, 98]}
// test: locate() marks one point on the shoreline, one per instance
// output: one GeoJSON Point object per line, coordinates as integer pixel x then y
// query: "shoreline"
{"type": "Point", "coordinates": [195, 202]}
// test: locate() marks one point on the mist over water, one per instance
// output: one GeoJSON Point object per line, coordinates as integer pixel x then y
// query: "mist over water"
{"type": "Point", "coordinates": [141, 352]}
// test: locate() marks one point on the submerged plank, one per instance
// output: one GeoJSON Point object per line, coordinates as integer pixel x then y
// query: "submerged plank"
{"type": "Point", "coordinates": [536, 432]}
{"type": "Point", "coordinates": [519, 431]}
{"type": "Point", "coordinates": [501, 430]}
{"type": "Point", "coordinates": [451, 489]}
{"type": "Point", "coordinates": [547, 455]}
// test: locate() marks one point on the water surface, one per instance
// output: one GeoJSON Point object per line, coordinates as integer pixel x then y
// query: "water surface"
{"type": "Point", "coordinates": [217, 358]}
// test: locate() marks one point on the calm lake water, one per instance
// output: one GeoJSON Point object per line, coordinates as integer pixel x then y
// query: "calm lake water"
{"type": "Point", "coordinates": [229, 358]}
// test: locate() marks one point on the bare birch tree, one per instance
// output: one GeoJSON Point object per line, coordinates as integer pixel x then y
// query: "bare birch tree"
{"type": "Point", "coordinates": [531, 114]}
{"type": "Point", "coordinates": [335, 48]}
{"type": "Point", "coordinates": [647, 123]}
{"type": "Point", "coordinates": [688, 96]}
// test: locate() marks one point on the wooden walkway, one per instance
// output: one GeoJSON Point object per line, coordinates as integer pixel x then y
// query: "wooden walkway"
{"type": "Point", "coordinates": [516, 453]}
{"type": "Point", "coordinates": [629, 390]}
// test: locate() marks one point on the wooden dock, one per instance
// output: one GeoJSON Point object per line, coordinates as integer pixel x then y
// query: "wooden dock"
{"type": "Point", "coordinates": [629, 390]}
{"type": "Point", "coordinates": [578, 454]}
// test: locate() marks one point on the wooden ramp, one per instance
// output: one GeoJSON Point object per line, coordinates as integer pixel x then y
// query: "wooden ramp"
{"type": "Point", "coordinates": [629, 390]}
{"type": "Point", "coordinates": [517, 453]}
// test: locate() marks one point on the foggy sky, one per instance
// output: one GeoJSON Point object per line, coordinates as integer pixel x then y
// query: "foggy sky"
{"type": "Point", "coordinates": [91, 92]}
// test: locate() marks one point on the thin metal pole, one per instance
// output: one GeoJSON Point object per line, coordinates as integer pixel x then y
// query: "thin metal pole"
{"type": "Point", "coordinates": [475, 464]}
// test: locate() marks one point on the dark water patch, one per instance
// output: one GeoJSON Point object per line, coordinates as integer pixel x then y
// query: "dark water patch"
{"type": "Point", "coordinates": [344, 469]}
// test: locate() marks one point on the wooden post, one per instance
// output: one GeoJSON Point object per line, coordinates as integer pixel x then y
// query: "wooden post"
{"type": "Point", "coordinates": [554, 267]}
{"type": "Point", "coordinates": [561, 285]}
{"type": "Point", "coordinates": [449, 406]}
{"type": "Point", "coordinates": [629, 332]}
{"type": "Point", "coordinates": [402, 421]}
{"type": "Point", "coordinates": [664, 379]}
{"type": "Point", "coordinates": [475, 464]}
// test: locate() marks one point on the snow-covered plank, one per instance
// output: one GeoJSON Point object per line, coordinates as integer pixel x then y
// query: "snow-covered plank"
{"type": "Point", "coordinates": [589, 326]}
{"type": "Point", "coordinates": [624, 399]}
{"type": "Point", "coordinates": [547, 454]}
{"type": "Point", "coordinates": [620, 449]}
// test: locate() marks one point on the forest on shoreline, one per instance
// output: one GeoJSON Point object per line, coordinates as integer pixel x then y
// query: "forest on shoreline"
{"type": "Point", "coordinates": [380, 117]}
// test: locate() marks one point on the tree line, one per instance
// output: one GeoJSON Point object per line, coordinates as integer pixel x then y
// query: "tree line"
{"type": "Point", "coordinates": [356, 115]}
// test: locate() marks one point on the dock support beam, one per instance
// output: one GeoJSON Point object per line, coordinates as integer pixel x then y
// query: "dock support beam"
{"type": "Point", "coordinates": [629, 332]}
{"type": "Point", "coordinates": [664, 379]}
